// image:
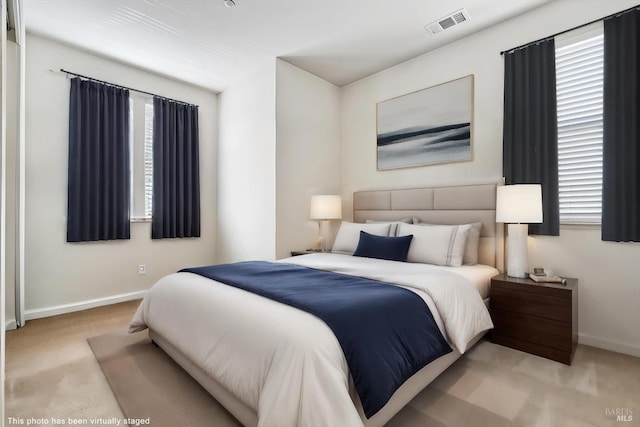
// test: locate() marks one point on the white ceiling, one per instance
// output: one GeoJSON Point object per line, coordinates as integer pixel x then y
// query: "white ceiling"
{"type": "Point", "coordinates": [209, 45]}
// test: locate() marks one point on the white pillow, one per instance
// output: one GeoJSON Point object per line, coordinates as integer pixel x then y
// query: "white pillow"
{"type": "Point", "coordinates": [349, 235]}
{"type": "Point", "coordinates": [473, 242]}
{"type": "Point", "coordinates": [436, 244]}
{"type": "Point", "coordinates": [393, 224]}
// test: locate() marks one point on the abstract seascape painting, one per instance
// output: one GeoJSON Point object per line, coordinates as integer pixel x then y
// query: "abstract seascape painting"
{"type": "Point", "coordinates": [429, 126]}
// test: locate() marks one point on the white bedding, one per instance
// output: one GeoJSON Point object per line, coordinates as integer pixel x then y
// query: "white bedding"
{"type": "Point", "coordinates": [480, 275]}
{"type": "Point", "coordinates": [284, 363]}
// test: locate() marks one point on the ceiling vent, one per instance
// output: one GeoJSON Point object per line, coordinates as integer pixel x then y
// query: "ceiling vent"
{"type": "Point", "coordinates": [457, 17]}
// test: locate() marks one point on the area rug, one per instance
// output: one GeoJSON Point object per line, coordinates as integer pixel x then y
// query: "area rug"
{"type": "Point", "coordinates": [151, 388]}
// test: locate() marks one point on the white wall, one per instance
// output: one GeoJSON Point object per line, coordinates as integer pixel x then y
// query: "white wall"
{"type": "Point", "coordinates": [246, 168]}
{"type": "Point", "coordinates": [62, 276]}
{"type": "Point", "coordinates": [308, 153]}
{"type": "Point", "coordinates": [608, 272]}
{"type": "Point", "coordinates": [279, 144]}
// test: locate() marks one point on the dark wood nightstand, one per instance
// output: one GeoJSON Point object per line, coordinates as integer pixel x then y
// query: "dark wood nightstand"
{"type": "Point", "coordinates": [539, 318]}
{"type": "Point", "coordinates": [305, 252]}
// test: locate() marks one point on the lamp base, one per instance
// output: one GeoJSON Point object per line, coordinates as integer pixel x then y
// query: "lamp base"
{"type": "Point", "coordinates": [517, 250]}
{"type": "Point", "coordinates": [324, 238]}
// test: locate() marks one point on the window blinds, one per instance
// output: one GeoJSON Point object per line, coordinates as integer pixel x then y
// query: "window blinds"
{"type": "Point", "coordinates": [148, 158]}
{"type": "Point", "coordinates": [579, 83]}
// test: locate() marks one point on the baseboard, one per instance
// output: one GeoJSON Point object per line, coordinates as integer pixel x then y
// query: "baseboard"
{"type": "Point", "coordinates": [10, 325]}
{"type": "Point", "coordinates": [82, 305]}
{"type": "Point", "coordinates": [631, 350]}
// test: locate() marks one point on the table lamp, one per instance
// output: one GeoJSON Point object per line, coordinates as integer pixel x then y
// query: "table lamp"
{"type": "Point", "coordinates": [518, 205]}
{"type": "Point", "coordinates": [325, 208]}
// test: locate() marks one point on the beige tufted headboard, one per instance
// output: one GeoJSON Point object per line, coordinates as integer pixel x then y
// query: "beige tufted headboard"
{"type": "Point", "coordinates": [440, 205]}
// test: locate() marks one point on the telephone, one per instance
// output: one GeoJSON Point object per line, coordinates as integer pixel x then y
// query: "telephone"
{"type": "Point", "coordinates": [542, 275]}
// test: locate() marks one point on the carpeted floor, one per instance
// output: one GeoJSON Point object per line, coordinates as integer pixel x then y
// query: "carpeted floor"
{"type": "Point", "coordinates": [493, 386]}
{"type": "Point", "coordinates": [52, 373]}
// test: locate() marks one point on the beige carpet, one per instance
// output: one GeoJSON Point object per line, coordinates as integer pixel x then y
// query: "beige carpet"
{"type": "Point", "coordinates": [490, 386]}
{"type": "Point", "coordinates": [149, 385]}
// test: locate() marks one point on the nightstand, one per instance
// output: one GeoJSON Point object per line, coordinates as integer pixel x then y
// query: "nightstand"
{"type": "Point", "coordinates": [538, 318]}
{"type": "Point", "coordinates": [305, 252]}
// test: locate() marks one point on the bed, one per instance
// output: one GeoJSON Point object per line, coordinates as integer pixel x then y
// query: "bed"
{"type": "Point", "coordinates": [258, 356]}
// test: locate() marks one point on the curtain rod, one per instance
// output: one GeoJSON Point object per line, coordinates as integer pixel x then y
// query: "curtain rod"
{"type": "Point", "coordinates": [570, 29]}
{"type": "Point", "coordinates": [124, 87]}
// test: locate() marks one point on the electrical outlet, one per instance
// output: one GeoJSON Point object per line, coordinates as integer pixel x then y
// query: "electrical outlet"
{"type": "Point", "coordinates": [142, 269]}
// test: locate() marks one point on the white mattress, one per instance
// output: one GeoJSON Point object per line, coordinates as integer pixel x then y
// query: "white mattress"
{"type": "Point", "coordinates": [480, 275]}
{"type": "Point", "coordinates": [283, 363]}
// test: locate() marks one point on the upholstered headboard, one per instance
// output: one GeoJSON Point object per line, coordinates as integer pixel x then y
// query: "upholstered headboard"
{"type": "Point", "coordinates": [440, 205]}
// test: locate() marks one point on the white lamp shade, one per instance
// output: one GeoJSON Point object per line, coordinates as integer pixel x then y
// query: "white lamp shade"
{"type": "Point", "coordinates": [520, 203]}
{"type": "Point", "coordinates": [326, 207]}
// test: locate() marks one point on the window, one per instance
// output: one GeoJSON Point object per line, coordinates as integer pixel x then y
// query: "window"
{"type": "Point", "coordinates": [148, 158]}
{"type": "Point", "coordinates": [579, 85]}
{"type": "Point", "coordinates": [141, 123]}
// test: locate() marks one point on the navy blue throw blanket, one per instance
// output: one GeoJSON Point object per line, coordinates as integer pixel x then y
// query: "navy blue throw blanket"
{"type": "Point", "coordinates": [387, 333]}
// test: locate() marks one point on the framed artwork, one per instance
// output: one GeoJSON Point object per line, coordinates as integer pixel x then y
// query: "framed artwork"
{"type": "Point", "coordinates": [432, 125]}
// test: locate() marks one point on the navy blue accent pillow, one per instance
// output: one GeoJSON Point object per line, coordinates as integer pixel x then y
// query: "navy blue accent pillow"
{"type": "Point", "coordinates": [383, 247]}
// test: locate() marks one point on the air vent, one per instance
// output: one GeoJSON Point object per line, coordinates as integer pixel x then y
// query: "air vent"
{"type": "Point", "coordinates": [457, 17]}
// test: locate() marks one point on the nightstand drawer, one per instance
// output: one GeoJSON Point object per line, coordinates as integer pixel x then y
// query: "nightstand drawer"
{"type": "Point", "coordinates": [551, 333]}
{"type": "Point", "coordinates": [533, 348]}
{"type": "Point", "coordinates": [534, 304]}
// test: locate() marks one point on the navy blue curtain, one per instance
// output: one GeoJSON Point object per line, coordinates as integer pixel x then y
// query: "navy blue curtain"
{"type": "Point", "coordinates": [530, 132]}
{"type": "Point", "coordinates": [98, 176]}
{"type": "Point", "coordinates": [621, 143]}
{"type": "Point", "coordinates": [176, 173]}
